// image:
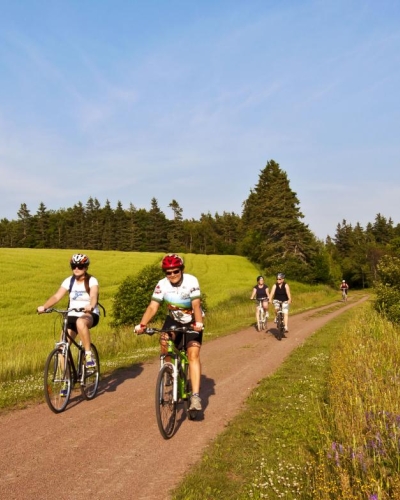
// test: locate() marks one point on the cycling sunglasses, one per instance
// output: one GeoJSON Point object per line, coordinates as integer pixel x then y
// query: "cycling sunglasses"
{"type": "Point", "coordinates": [78, 266]}
{"type": "Point", "coordinates": [169, 273]}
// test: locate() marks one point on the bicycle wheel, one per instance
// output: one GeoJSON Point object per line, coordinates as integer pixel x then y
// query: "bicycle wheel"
{"type": "Point", "coordinates": [280, 326]}
{"type": "Point", "coordinates": [57, 381]}
{"type": "Point", "coordinates": [165, 404]}
{"type": "Point", "coordinates": [259, 320]}
{"type": "Point", "coordinates": [90, 376]}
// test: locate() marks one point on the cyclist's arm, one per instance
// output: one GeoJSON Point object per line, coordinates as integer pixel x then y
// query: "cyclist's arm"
{"type": "Point", "coordinates": [94, 297]}
{"type": "Point", "coordinates": [271, 295]}
{"type": "Point", "coordinates": [253, 294]}
{"type": "Point", "coordinates": [51, 301]}
{"type": "Point", "coordinates": [288, 294]}
{"type": "Point", "coordinates": [198, 315]}
{"type": "Point", "coordinates": [150, 312]}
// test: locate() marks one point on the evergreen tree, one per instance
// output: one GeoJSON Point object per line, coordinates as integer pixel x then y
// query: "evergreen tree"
{"type": "Point", "coordinates": [274, 235]}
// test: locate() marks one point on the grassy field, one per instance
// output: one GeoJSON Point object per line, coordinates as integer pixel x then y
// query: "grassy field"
{"type": "Point", "coordinates": [325, 426]}
{"type": "Point", "coordinates": [31, 276]}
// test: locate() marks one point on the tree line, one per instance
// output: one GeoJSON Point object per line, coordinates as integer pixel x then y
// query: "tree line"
{"type": "Point", "coordinates": [272, 235]}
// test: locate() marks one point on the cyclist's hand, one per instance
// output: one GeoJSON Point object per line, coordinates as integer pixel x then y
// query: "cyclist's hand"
{"type": "Point", "coordinates": [40, 310]}
{"type": "Point", "coordinates": [198, 327]}
{"type": "Point", "coordinates": [139, 329]}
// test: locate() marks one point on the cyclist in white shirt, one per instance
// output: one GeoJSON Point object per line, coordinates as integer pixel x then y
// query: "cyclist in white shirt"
{"type": "Point", "coordinates": [83, 294]}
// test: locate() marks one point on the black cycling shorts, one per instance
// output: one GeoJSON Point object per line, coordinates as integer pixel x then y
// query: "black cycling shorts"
{"type": "Point", "coordinates": [72, 321]}
{"type": "Point", "coordinates": [190, 337]}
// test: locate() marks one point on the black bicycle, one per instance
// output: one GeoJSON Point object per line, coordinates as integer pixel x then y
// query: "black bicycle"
{"type": "Point", "coordinates": [64, 369]}
{"type": "Point", "coordinates": [280, 322]}
{"type": "Point", "coordinates": [173, 381]}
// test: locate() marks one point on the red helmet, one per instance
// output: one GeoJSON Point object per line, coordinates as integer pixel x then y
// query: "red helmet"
{"type": "Point", "coordinates": [172, 260]}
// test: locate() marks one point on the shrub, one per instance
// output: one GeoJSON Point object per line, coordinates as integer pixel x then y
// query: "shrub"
{"type": "Point", "coordinates": [387, 287]}
{"type": "Point", "coordinates": [133, 296]}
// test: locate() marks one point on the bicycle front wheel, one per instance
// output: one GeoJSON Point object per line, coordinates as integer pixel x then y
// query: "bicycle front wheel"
{"type": "Point", "coordinates": [280, 325]}
{"type": "Point", "coordinates": [57, 381]}
{"type": "Point", "coordinates": [90, 376]}
{"type": "Point", "coordinates": [260, 322]}
{"type": "Point", "coordinates": [165, 404]}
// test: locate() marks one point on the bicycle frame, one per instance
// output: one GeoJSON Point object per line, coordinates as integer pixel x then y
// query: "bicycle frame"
{"type": "Point", "coordinates": [176, 367]}
{"type": "Point", "coordinates": [62, 372]}
{"type": "Point", "coordinates": [179, 368]}
{"type": "Point", "coordinates": [261, 314]}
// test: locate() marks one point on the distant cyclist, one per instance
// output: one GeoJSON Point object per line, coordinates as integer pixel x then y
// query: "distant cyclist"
{"type": "Point", "coordinates": [344, 288]}
{"type": "Point", "coordinates": [261, 292]}
{"type": "Point", "coordinates": [181, 293]}
{"type": "Point", "coordinates": [281, 293]}
{"type": "Point", "coordinates": [83, 293]}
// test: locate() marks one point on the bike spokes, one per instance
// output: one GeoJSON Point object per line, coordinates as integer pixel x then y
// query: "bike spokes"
{"type": "Point", "coordinates": [57, 381]}
{"type": "Point", "coordinates": [90, 376]}
{"type": "Point", "coordinates": [165, 403]}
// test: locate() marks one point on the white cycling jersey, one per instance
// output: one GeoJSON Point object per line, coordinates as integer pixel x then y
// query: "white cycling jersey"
{"type": "Point", "coordinates": [79, 297]}
{"type": "Point", "coordinates": [178, 298]}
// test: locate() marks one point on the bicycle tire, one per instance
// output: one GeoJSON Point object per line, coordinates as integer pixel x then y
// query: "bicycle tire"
{"type": "Point", "coordinates": [259, 321]}
{"type": "Point", "coordinates": [90, 377]}
{"type": "Point", "coordinates": [165, 404]}
{"type": "Point", "coordinates": [57, 376]}
{"type": "Point", "coordinates": [280, 326]}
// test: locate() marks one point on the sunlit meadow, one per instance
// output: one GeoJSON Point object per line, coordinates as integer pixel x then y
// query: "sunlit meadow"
{"type": "Point", "coordinates": [325, 426]}
{"type": "Point", "coordinates": [30, 276]}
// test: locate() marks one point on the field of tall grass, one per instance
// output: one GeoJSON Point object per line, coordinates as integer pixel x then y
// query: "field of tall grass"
{"type": "Point", "coordinates": [31, 276]}
{"type": "Point", "coordinates": [325, 426]}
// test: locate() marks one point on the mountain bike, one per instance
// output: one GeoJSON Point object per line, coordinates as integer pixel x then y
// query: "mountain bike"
{"type": "Point", "coordinates": [173, 381]}
{"type": "Point", "coordinates": [344, 294]}
{"type": "Point", "coordinates": [64, 369]}
{"type": "Point", "coordinates": [262, 315]}
{"type": "Point", "coordinates": [280, 322]}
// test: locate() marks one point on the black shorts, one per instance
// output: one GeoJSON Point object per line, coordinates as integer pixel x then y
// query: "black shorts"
{"type": "Point", "coordinates": [72, 321]}
{"type": "Point", "coordinates": [190, 337]}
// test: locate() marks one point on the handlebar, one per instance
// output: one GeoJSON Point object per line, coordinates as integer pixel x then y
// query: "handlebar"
{"type": "Point", "coordinates": [62, 311]}
{"type": "Point", "coordinates": [172, 329]}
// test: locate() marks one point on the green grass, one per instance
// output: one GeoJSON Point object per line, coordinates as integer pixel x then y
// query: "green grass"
{"type": "Point", "coordinates": [31, 276]}
{"type": "Point", "coordinates": [325, 426]}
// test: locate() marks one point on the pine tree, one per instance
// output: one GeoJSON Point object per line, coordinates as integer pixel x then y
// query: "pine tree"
{"type": "Point", "coordinates": [274, 235]}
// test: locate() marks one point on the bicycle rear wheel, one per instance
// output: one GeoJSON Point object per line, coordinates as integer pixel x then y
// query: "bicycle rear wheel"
{"type": "Point", "coordinates": [57, 381]}
{"type": "Point", "coordinates": [165, 404]}
{"type": "Point", "coordinates": [90, 376]}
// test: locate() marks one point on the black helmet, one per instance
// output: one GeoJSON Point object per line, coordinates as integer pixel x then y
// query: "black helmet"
{"type": "Point", "coordinates": [80, 258]}
{"type": "Point", "coordinates": [260, 278]}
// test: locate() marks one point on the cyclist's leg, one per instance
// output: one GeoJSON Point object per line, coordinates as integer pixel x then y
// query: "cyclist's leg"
{"type": "Point", "coordinates": [285, 309]}
{"type": "Point", "coordinates": [83, 325]}
{"type": "Point", "coordinates": [193, 353]}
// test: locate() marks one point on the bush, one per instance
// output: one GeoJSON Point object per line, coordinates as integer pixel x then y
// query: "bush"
{"type": "Point", "coordinates": [133, 296]}
{"type": "Point", "coordinates": [387, 287]}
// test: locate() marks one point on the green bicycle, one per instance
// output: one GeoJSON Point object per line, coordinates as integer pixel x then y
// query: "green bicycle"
{"type": "Point", "coordinates": [173, 381]}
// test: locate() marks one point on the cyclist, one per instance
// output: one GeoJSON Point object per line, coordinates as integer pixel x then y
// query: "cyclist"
{"type": "Point", "coordinates": [261, 292]}
{"type": "Point", "coordinates": [83, 293]}
{"type": "Point", "coordinates": [181, 293]}
{"type": "Point", "coordinates": [344, 287]}
{"type": "Point", "coordinates": [281, 293]}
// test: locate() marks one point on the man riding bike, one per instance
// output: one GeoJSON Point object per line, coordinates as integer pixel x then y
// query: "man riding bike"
{"type": "Point", "coordinates": [181, 293]}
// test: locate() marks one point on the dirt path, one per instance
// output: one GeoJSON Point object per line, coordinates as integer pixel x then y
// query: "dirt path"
{"type": "Point", "coordinates": [110, 448]}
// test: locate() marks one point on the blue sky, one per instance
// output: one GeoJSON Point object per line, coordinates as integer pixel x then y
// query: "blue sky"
{"type": "Point", "coordinates": [129, 100]}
